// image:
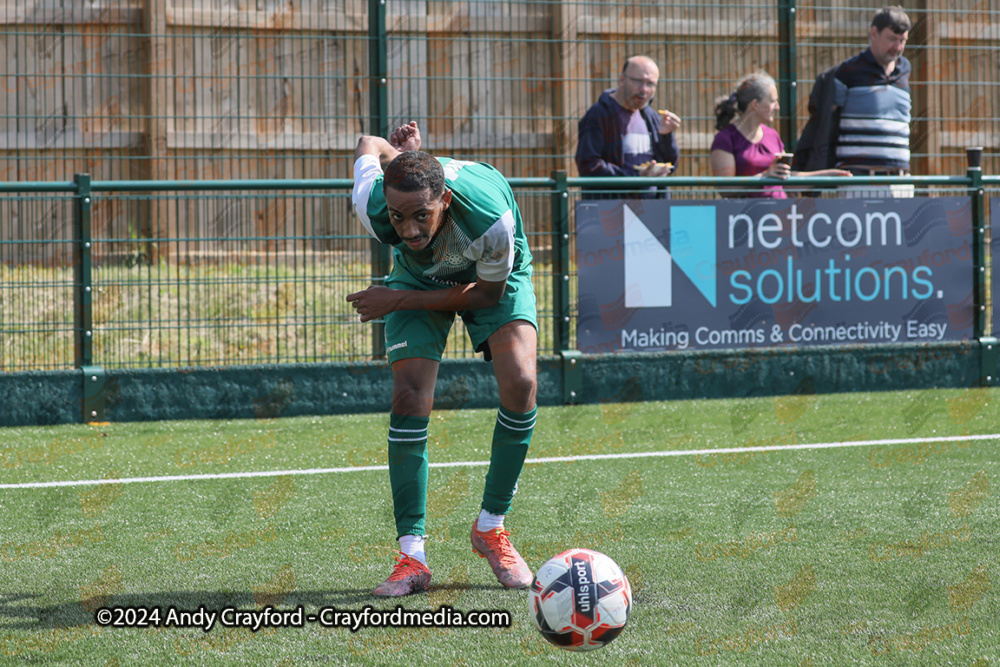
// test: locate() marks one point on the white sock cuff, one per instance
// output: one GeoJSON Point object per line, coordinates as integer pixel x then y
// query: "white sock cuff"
{"type": "Point", "coordinates": [489, 521]}
{"type": "Point", "coordinates": [414, 547]}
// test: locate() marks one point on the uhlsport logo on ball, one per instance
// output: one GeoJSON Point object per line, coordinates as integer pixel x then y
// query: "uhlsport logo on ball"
{"type": "Point", "coordinates": [580, 600]}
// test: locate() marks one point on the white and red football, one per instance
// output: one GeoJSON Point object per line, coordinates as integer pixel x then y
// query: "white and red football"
{"type": "Point", "coordinates": [580, 600]}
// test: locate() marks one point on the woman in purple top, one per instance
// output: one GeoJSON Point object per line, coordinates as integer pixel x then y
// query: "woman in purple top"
{"type": "Point", "coordinates": [748, 146]}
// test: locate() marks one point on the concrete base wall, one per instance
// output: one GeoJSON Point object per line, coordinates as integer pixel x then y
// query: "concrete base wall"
{"type": "Point", "coordinates": [40, 398]}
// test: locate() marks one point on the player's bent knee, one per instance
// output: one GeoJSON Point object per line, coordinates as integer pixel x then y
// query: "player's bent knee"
{"type": "Point", "coordinates": [413, 383]}
{"type": "Point", "coordinates": [518, 392]}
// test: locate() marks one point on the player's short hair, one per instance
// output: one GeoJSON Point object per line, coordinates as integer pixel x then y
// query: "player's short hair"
{"type": "Point", "coordinates": [413, 171]}
{"type": "Point", "coordinates": [891, 17]}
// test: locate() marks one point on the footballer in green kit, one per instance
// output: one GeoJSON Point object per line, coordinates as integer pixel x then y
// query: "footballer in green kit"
{"type": "Point", "coordinates": [459, 249]}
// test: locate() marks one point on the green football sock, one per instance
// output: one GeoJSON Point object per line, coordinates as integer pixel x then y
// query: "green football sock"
{"type": "Point", "coordinates": [511, 437]}
{"type": "Point", "coordinates": [408, 472]}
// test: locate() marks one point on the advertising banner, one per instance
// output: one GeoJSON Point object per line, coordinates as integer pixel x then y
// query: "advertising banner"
{"type": "Point", "coordinates": [660, 274]}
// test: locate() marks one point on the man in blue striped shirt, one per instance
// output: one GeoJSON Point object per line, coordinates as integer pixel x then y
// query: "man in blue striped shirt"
{"type": "Point", "coordinates": [872, 91]}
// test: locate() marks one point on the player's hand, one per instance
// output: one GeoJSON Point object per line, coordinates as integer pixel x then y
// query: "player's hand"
{"type": "Point", "coordinates": [406, 137]}
{"type": "Point", "coordinates": [374, 302]}
{"type": "Point", "coordinates": [669, 121]}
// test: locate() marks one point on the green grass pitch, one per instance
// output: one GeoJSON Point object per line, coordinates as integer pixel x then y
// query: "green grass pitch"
{"type": "Point", "coordinates": [881, 553]}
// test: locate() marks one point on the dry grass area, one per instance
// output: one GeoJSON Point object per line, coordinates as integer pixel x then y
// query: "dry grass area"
{"type": "Point", "coordinates": [168, 315]}
{"type": "Point", "coordinates": [180, 315]}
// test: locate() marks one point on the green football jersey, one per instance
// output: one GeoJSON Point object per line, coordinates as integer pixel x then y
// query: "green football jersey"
{"type": "Point", "coordinates": [482, 236]}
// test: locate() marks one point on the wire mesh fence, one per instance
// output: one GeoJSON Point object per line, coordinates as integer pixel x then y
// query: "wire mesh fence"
{"type": "Point", "coordinates": [254, 277]}
{"type": "Point", "coordinates": [243, 277]}
{"type": "Point", "coordinates": [184, 90]}
{"type": "Point", "coordinates": [36, 282]}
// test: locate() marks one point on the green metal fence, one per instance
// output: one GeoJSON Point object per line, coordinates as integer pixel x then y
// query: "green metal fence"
{"type": "Point", "coordinates": [244, 273]}
{"type": "Point", "coordinates": [254, 272]}
{"type": "Point", "coordinates": [158, 99]}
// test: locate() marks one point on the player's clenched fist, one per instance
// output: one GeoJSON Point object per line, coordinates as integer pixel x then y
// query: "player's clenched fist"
{"type": "Point", "coordinates": [406, 137]}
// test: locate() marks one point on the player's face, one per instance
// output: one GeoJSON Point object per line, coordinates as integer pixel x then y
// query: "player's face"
{"type": "Point", "coordinates": [886, 45]}
{"type": "Point", "coordinates": [417, 216]}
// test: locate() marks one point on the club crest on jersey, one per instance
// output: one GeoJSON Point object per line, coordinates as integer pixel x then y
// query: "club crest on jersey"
{"type": "Point", "coordinates": [454, 260]}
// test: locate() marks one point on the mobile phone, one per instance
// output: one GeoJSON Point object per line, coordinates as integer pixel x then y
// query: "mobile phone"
{"type": "Point", "coordinates": [785, 158]}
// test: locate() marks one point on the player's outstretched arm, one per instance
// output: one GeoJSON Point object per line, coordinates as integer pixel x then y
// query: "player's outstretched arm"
{"type": "Point", "coordinates": [377, 146]}
{"type": "Point", "coordinates": [403, 138]}
{"type": "Point", "coordinates": [378, 301]}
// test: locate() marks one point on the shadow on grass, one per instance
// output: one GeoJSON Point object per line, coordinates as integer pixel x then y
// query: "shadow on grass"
{"type": "Point", "coordinates": [23, 611]}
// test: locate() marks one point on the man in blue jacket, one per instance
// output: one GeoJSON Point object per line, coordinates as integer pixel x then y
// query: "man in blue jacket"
{"type": "Point", "coordinates": [621, 135]}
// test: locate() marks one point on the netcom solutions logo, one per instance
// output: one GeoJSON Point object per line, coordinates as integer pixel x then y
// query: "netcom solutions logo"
{"type": "Point", "coordinates": [649, 264]}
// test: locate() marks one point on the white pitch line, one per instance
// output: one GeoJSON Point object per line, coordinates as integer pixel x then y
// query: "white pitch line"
{"type": "Point", "coordinates": [466, 464]}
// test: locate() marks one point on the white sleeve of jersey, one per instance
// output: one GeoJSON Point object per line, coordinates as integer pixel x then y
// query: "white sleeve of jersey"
{"type": "Point", "coordinates": [367, 170]}
{"type": "Point", "coordinates": [493, 252]}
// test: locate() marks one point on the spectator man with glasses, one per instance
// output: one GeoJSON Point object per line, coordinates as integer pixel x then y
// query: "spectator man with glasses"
{"type": "Point", "coordinates": [622, 135]}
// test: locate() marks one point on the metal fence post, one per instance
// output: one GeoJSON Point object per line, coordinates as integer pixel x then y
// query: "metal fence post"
{"type": "Point", "coordinates": [560, 263]}
{"type": "Point", "coordinates": [378, 121]}
{"type": "Point", "coordinates": [571, 360]}
{"type": "Point", "coordinates": [93, 405]}
{"type": "Point", "coordinates": [380, 270]}
{"type": "Point", "coordinates": [378, 70]}
{"type": "Point", "coordinates": [977, 194]}
{"type": "Point", "coordinates": [989, 350]}
{"type": "Point", "coordinates": [787, 73]}
{"type": "Point", "coordinates": [83, 316]}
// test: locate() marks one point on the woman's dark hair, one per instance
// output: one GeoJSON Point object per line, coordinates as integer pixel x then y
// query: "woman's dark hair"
{"type": "Point", "coordinates": [414, 171]}
{"type": "Point", "coordinates": [754, 87]}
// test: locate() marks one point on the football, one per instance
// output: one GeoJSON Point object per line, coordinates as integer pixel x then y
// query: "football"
{"type": "Point", "coordinates": [580, 600]}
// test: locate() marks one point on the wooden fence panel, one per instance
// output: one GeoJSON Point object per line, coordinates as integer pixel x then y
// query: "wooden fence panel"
{"type": "Point", "coordinates": [225, 89]}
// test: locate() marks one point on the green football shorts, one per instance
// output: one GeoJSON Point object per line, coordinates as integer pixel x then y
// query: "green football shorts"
{"type": "Point", "coordinates": [423, 333]}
